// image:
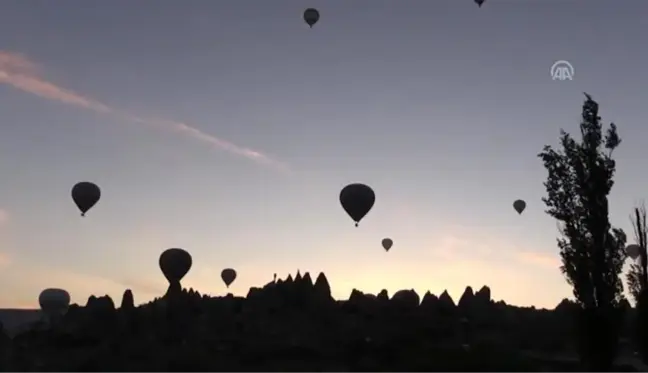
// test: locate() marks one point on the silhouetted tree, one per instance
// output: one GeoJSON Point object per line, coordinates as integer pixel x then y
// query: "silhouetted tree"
{"type": "Point", "coordinates": [638, 280]}
{"type": "Point", "coordinates": [580, 177]}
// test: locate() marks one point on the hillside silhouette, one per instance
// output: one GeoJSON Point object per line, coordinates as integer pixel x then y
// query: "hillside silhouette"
{"type": "Point", "coordinates": [294, 324]}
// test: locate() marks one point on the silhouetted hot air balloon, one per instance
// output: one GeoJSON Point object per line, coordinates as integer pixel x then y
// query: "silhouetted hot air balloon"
{"type": "Point", "coordinates": [85, 195]}
{"type": "Point", "coordinates": [228, 275]}
{"type": "Point", "coordinates": [519, 206]}
{"type": "Point", "coordinates": [175, 264]}
{"type": "Point", "coordinates": [54, 303]}
{"type": "Point", "coordinates": [311, 16]}
{"type": "Point", "coordinates": [387, 243]}
{"type": "Point", "coordinates": [357, 200]}
{"type": "Point", "coordinates": [479, 2]}
{"type": "Point", "coordinates": [633, 251]}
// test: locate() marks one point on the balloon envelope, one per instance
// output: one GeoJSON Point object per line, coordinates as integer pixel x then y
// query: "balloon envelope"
{"type": "Point", "coordinates": [228, 275]}
{"type": "Point", "coordinates": [633, 251]}
{"type": "Point", "coordinates": [175, 264]}
{"type": "Point", "coordinates": [311, 16]}
{"type": "Point", "coordinates": [479, 2]}
{"type": "Point", "coordinates": [85, 195]}
{"type": "Point", "coordinates": [387, 243]}
{"type": "Point", "coordinates": [54, 301]}
{"type": "Point", "coordinates": [357, 200]}
{"type": "Point", "coordinates": [519, 206]}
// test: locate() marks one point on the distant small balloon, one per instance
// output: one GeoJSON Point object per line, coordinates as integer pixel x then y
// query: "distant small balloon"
{"type": "Point", "coordinates": [633, 251]}
{"type": "Point", "coordinates": [387, 243]}
{"type": "Point", "coordinates": [228, 275]}
{"type": "Point", "coordinates": [85, 195]}
{"type": "Point", "coordinates": [357, 200]}
{"type": "Point", "coordinates": [479, 2]}
{"type": "Point", "coordinates": [519, 206]}
{"type": "Point", "coordinates": [311, 16]}
{"type": "Point", "coordinates": [175, 264]}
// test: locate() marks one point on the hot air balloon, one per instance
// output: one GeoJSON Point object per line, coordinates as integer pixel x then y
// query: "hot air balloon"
{"type": "Point", "coordinates": [387, 243]}
{"type": "Point", "coordinates": [633, 251]}
{"type": "Point", "coordinates": [519, 206]}
{"type": "Point", "coordinates": [357, 200]}
{"type": "Point", "coordinates": [54, 303]}
{"type": "Point", "coordinates": [228, 275]}
{"type": "Point", "coordinates": [175, 264]}
{"type": "Point", "coordinates": [311, 16]}
{"type": "Point", "coordinates": [85, 195]}
{"type": "Point", "coordinates": [479, 2]}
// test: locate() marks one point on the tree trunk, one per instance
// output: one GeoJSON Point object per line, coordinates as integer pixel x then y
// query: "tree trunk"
{"type": "Point", "coordinates": [641, 325]}
{"type": "Point", "coordinates": [598, 338]}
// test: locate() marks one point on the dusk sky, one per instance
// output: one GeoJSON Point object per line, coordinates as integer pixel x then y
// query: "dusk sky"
{"type": "Point", "coordinates": [228, 128]}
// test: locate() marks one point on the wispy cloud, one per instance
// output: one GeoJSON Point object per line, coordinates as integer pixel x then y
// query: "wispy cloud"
{"type": "Point", "coordinates": [21, 73]}
{"type": "Point", "coordinates": [25, 281]}
{"type": "Point", "coordinates": [466, 243]}
{"type": "Point", "coordinates": [4, 217]}
{"type": "Point", "coordinates": [5, 260]}
{"type": "Point", "coordinates": [539, 259]}
{"type": "Point", "coordinates": [144, 285]}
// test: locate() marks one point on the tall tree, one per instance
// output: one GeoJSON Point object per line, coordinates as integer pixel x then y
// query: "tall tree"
{"type": "Point", "coordinates": [637, 276]}
{"type": "Point", "coordinates": [638, 280]}
{"type": "Point", "coordinates": [580, 177]}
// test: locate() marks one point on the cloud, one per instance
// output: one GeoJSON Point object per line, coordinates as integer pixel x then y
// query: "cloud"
{"type": "Point", "coordinates": [474, 244]}
{"type": "Point", "coordinates": [21, 73]}
{"type": "Point", "coordinates": [4, 217]}
{"type": "Point", "coordinates": [5, 260]}
{"type": "Point", "coordinates": [468, 243]}
{"type": "Point", "coordinates": [538, 259]}
{"type": "Point", "coordinates": [24, 280]}
{"type": "Point", "coordinates": [144, 285]}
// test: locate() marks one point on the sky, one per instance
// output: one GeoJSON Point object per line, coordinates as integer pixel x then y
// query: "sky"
{"type": "Point", "coordinates": [229, 128]}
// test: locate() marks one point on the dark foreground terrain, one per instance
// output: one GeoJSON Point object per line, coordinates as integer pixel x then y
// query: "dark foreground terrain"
{"type": "Point", "coordinates": [295, 325]}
